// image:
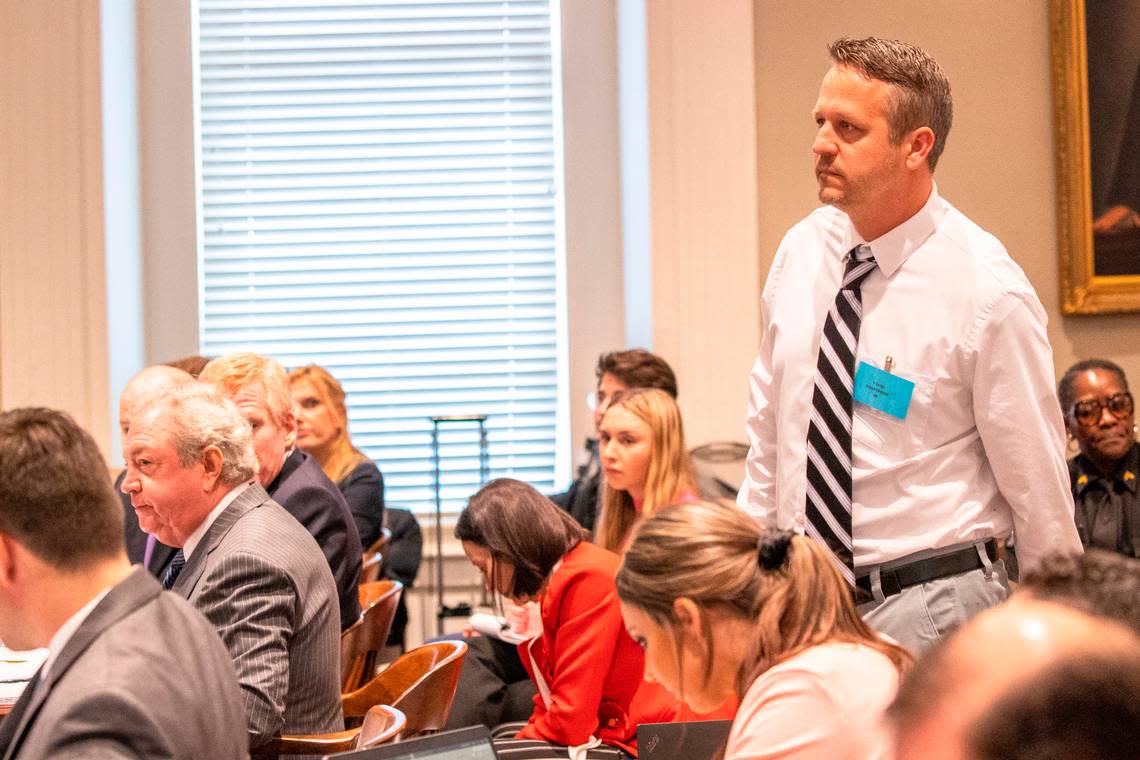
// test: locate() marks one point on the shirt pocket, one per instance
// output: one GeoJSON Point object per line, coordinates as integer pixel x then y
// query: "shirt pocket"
{"type": "Point", "coordinates": [881, 439]}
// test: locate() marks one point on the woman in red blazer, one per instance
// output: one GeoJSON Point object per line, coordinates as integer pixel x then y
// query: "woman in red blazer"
{"type": "Point", "coordinates": [584, 665]}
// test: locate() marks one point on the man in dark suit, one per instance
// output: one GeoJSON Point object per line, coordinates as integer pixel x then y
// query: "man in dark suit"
{"type": "Point", "coordinates": [259, 387]}
{"type": "Point", "coordinates": [131, 671]}
{"type": "Point", "coordinates": [244, 562]}
{"type": "Point", "coordinates": [144, 548]}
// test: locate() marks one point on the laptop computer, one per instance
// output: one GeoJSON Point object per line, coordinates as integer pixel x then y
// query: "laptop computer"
{"type": "Point", "coordinates": [471, 743]}
{"type": "Point", "coordinates": [692, 740]}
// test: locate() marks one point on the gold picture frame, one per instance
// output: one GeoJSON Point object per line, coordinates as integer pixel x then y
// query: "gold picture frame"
{"type": "Point", "coordinates": [1083, 289]}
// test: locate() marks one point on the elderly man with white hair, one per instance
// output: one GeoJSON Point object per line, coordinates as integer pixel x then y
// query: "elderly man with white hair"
{"type": "Point", "coordinates": [243, 561]}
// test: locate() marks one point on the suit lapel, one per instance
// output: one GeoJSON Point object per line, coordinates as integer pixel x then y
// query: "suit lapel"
{"type": "Point", "coordinates": [251, 498]}
{"type": "Point", "coordinates": [135, 590]}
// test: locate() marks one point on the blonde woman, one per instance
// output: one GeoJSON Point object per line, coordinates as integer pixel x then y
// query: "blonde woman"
{"type": "Point", "coordinates": [322, 433]}
{"type": "Point", "coordinates": [721, 608]}
{"type": "Point", "coordinates": [644, 460]}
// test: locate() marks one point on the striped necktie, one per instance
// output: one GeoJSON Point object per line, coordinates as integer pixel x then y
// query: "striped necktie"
{"type": "Point", "coordinates": [829, 432]}
{"type": "Point", "coordinates": [176, 565]}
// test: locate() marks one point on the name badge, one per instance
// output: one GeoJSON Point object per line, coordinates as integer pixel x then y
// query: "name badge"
{"type": "Point", "coordinates": [882, 390]}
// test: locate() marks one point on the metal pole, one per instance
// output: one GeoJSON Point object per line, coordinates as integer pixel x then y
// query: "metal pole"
{"type": "Point", "coordinates": [438, 530]}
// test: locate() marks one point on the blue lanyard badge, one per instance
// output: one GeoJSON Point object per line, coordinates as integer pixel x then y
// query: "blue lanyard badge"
{"type": "Point", "coordinates": [882, 390]}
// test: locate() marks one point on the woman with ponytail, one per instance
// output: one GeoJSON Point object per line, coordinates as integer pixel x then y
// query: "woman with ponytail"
{"type": "Point", "coordinates": [722, 608]}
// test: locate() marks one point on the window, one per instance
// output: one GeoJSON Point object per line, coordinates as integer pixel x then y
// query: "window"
{"type": "Point", "coordinates": [379, 194]}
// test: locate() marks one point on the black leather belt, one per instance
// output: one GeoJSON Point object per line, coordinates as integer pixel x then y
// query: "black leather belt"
{"type": "Point", "coordinates": [925, 570]}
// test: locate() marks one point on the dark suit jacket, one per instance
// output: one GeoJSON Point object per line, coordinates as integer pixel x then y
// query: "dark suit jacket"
{"type": "Point", "coordinates": [363, 490]}
{"type": "Point", "coordinates": [136, 538]}
{"type": "Point", "coordinates": [144, 675]}
{"type": "Point", "coordinates": [306, 493]}
{"type": "Point", "coordinates": [259, 577]}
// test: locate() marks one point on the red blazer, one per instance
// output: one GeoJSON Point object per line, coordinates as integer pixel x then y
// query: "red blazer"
{"type": "Point", "coordinates": [590, 664]}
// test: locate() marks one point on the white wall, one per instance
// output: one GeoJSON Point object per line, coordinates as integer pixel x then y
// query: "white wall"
{"type": "Point", "coordinates": [704, 206]}
{"type": "Point", "coordinates": [53, 321]}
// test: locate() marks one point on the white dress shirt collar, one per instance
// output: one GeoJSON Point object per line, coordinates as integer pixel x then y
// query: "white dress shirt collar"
{"type": "Point", "coordinates": [195, 538]}
{"type": "Point", "coordinates": [67, 630]}
{"type": "Point", "coordinates": [893, 248]}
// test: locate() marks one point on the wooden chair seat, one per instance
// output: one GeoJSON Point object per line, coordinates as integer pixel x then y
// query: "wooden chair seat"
{"type": "Point", "coordinates": [382, 724]}
{"type": "Point", "coordinates": [362, 642]}
{"type": "Point", "coordinates": [421, 684]}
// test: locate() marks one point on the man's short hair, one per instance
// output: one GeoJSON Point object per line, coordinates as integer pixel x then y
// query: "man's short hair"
{"type": "Point", "coordinates": [1065, 391]}
{"type": "Point", "coordinates": [1083, 707]}
{"type": "Point", "coordinates": [198, 416]}
{"type": "Point", "coordinates": [919, 87]}
{"type": "Point", "coordinates": [238, 372]}
{"type": "Point", "coordinates": [1097, 582]}
{"type": "Point", "coordinates": [638, 368]}
{"type": "Point", "coordinates": [56, 498]}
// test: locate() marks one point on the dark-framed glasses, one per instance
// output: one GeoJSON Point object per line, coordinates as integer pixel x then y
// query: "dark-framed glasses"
{"type": "Point", "coordinates": [1088, 412]}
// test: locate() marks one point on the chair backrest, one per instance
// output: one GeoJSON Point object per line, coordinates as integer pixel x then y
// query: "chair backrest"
{"type": "Point", "coordinates": [370, 567]}
{"type": "Point", "coordinates": [361, 643]}
{"type": "Point", "coordinates": [421, 684]}
{"type": "Point", "coordinates": [381, 543]}
{"type": "Point", "coordinates": [382, 724]}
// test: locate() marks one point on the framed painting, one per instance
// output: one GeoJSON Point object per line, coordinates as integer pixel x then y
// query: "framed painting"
{"type": "Point", "coordinates": [1096, 105]}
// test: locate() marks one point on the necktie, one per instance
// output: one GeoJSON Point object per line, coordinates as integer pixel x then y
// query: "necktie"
{"type": "Point", "coordinates": [176, 565]}
{"type": "Point", "coordinates": [829, 432]}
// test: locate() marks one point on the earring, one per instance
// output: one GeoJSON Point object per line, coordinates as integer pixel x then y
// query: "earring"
{"type": "Point", "coordinates": [1072, 447]}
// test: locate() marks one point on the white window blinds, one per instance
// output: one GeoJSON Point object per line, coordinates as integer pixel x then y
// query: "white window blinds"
{"type": "Point", "coordinates": [379, 195]}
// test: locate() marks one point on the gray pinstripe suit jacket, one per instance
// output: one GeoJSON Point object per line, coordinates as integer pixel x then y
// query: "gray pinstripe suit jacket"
{"type": "Point", "coordinates": [263, 582]}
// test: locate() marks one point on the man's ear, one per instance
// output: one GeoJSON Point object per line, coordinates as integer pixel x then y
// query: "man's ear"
{"type": "Point", "coordinates": [212, 461]}
{"type": "Point", "coordinates": [289, 425]}
{"type": "Point", "coordinates": [919, 144]}
{"type": "Point", "coordinates": [7, 560]}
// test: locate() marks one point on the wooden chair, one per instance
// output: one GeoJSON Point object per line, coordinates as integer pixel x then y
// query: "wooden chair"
{"type": "Point", "coordinates": [421, 684]}
{"type": "Point", "coordinates": [370, 568]}
{"type": "Point", "coordinates": [381, 543]}
{"type": "Point", "coordinates": [372, 559]}
{"type": "Point", "coordinates": [362, 642]}
{"type": "Point", "coordinates": [382, 724]}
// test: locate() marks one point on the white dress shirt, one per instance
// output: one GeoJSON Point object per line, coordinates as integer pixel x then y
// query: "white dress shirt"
{"type": "Point", "coordinates": [981, 449]}
{"type": "Point", "coordinates": [64, 633]}
{"type": "Point", "coordinates": [192, 541]}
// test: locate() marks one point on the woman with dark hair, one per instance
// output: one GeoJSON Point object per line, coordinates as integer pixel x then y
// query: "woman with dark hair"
{"type": "Point", "coordinates": [1100, 418]}
{"type": "Point", "coordinates": [722, 608]}
{"type": "Point", "coordinates": [322, 433]}
{"type": "Point", "coordinates": [585, 667]}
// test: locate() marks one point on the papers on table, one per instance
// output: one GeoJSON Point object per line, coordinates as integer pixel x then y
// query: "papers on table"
{"type": "Point", "coordinates": [16, 669]}
{"type": "Point", "coordinates": [496, 627]}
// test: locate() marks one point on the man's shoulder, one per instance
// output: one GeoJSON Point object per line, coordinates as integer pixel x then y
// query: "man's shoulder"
{"type": "Point", "coordinates": [121, 677]}
{"type": "Point", "coordinates": [992, 262]}
{"type": "Point", "coordinates": [266, 526]}
{"type": "Point", "coordinates": [306, 487]}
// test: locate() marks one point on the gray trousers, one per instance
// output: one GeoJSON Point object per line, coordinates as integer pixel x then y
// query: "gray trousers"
{"type": "Point", "coordinates": [922, 614]}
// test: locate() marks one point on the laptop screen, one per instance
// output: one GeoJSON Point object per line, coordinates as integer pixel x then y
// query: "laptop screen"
{"type": "Point", "coordinates": [462, 744]}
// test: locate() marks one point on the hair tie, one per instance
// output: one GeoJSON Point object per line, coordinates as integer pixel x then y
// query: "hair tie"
{"type": "Point", "coordinates": [772, 549]}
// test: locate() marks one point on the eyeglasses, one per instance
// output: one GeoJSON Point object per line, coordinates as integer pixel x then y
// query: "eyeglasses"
{"type": "Point", "coordinates": [1088, 412]}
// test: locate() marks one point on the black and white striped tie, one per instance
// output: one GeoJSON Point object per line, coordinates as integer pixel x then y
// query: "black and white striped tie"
{"type": "Point", "coordinates": [829, 433]}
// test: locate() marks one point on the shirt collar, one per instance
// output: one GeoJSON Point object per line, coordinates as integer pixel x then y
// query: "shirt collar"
{"type": "Point", "coordinates": [892, 249]}
{"type": "Point", "coordinates": [1128, 474]}
{"type": "Point", "coordinates": [195, 538]}
{"type": "Point", "coordinates": [67, 630]}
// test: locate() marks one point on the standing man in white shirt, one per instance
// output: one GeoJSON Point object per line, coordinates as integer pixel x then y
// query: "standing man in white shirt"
{"type": "Point", "coordinates": [902, 408]}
